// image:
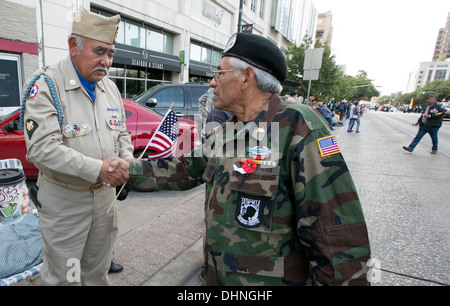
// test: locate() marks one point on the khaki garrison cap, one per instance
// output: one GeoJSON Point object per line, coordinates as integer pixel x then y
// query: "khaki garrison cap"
{"type": "Point", "coordinates": [96, 27]}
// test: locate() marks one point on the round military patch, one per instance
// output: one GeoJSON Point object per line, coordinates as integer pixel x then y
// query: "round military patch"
{"type": "Point", "coordinates": [230, 43]}
{"type": "Point", "coordinates": [33, 92]}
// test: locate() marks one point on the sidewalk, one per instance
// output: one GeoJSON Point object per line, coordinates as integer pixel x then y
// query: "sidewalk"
{"type": "Point", "coordinates": [159, 246]}
{"type": "Point", "coordinates": [160, 239]}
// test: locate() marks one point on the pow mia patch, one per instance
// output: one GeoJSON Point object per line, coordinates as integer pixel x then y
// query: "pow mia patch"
{"type": "Point", "coordinates": [250, 210]}
{"type": "Point", "coordinates": [31, 126]}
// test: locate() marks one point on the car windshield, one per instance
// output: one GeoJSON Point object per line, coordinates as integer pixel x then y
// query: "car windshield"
{"type": "Point", "coordinates": [139, 97]}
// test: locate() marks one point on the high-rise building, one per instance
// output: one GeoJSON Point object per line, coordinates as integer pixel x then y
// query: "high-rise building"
{"type": "Point", "coordinates": [442, 49]}
{"type": "Point", "coordinates": [324, 31]}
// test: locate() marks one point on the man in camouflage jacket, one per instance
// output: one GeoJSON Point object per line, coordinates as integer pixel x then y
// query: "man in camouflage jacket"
{"type": "Point", "coordinates": [280, 204]}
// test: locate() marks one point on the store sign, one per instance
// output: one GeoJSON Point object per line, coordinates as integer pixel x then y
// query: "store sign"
{"type": "Point", "coordinates": [128, 55]}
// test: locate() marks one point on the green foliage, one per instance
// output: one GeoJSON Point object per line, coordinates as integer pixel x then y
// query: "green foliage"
{"type": "Point", "coordinates": [332, 83]}
{"type": "Point", "coordinates": [441, 88]}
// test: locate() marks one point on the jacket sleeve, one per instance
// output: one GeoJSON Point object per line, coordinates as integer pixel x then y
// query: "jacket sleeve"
{"type": "Point", "coordinates": [329, 217]}
{"type": "Point", "coordinates": [174, 173]}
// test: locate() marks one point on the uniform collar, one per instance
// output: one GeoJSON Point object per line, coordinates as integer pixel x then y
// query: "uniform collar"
{"type": "Point", "coordinates": [257, 128]}
{"type": "Point", "coordinates": [71, 79]}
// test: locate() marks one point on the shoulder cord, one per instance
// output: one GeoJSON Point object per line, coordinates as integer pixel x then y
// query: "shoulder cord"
{"type": "Point", "coordinates": [55, 98]}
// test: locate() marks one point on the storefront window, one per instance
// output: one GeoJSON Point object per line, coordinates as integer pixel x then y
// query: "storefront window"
{"type": "Point", "coordinates": [155, 41]}
{"type": "Point", "coordinates": [168, 44]}
{"type": "Point", "coordinates": [120, 85]}
{"type": "Point", "coordinates": [121, 33]}
{"type": "Point", "coordinates": [196, 53]}
{"type": "Point", "coordinates": [134, 87]}
{"type": "Point", "coordinates": [134, 35]}
{"type": "Point", "coordinates": [155, 75]}
{"type": "Point", "coordinates": [206, 55]}
{"type": "Point", "coordinates": [216, 56]}
{"type": "Point", "coordinates": [132, 73]}
{"type": "Point", "coordinates": [131, 81]}
{"type": "Point", "coordinates": [116, 72]}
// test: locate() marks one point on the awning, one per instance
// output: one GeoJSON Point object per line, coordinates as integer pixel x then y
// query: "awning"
{"type": "Point", "coordinates": [202, 69]}
{"type": "Point", "coordinates": [132, 56]}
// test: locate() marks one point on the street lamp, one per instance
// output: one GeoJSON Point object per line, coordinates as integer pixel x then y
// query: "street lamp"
{"type": "Point", "coordinates": [241, 8]}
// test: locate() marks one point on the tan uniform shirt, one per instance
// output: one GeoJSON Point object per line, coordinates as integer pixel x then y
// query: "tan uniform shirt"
{"type": "Point", "coordinates": [90, 132]}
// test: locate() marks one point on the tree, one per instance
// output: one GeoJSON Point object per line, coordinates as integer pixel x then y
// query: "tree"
{"type": "Point", "coordinates": [364, 87]}
{"type": "Point", "coordinates": [440, 87]}
{"type": "Point", "coordinates": [332, 83]}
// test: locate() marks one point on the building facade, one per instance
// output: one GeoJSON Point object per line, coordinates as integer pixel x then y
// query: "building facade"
{"type": "Point", "coordinates": [442, 49]}
{"type": "Point", "coordinates": [428, 72]}
{"type": "Point", "coordinates": [175, 41]}
{"type": "Point", "coordinates": [324, 31]}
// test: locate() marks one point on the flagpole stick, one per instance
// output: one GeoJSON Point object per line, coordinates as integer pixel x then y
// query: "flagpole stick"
{"type": "Point", "coordinates": [139, 158]}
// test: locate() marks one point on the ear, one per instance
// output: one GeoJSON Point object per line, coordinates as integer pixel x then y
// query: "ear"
{"type": "Point", "coordinates": [73, 47]}
{"type": "Point", "coordinates": [249, 77]}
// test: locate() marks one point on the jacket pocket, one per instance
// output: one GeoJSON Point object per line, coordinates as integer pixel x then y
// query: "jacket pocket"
{"type": "Point", "coordinates": [254, 194]}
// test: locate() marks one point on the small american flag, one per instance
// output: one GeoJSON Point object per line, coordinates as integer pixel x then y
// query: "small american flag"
{"type": "Point", "coordinates": [164, 141]}
{"type": "Point", "coordinates": [328, 146]}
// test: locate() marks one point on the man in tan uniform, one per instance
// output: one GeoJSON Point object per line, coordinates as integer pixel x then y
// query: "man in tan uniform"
{"type": "Point", "coordinates": [73, 155]}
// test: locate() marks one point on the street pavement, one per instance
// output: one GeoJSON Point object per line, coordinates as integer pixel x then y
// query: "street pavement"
{"type": "Point", "coordinates": [404, 198]}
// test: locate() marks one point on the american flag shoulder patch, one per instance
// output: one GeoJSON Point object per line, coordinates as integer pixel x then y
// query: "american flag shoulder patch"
{"type": "Point", "coordinates": [328, 146]}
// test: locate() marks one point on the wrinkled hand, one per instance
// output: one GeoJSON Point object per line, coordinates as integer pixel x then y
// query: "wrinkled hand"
{"type": "Point", "coordinates": [114, 172]}
{"type": "Point", "coordinates": [26, 201]}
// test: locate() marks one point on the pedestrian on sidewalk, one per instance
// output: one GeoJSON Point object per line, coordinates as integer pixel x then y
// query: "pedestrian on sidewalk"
{"type": "Point", "coordinates": [292, 98]}
{"type": "Point", "coordinates": [342, 109]}
{"type": "Point", "coordinates": [325, 111]}
{"type": "Point", "coordinates": [273, 215]}
{"type": "Point", "coordinates": [429, 123]}
{"type": "Point", "coordinates": [355, 117]}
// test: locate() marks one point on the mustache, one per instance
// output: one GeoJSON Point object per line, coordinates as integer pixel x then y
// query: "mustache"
{"type": "Point", "coordinates": [100, 69]}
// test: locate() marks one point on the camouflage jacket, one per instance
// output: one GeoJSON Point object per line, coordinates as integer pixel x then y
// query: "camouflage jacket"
{"type": "Point", "coordinates": [293, 218]}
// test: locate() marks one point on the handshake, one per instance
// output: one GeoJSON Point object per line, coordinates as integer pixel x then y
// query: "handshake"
{"type": "Point", "coordinates": [114, 172]}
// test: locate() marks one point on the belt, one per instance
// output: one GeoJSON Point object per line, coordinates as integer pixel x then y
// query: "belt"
{"type": "Point", "coordinates": [72, 186]}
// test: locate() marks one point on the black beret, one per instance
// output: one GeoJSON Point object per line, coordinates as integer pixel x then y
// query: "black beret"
{"type": "Point", "coordinates": [259, 52]}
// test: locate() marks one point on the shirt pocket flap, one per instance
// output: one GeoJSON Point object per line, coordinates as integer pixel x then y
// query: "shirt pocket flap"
{"type": "Point", "coordinates": [262, 182]}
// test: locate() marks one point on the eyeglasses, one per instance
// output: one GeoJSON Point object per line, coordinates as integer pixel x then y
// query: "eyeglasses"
{"type": "Point", "coordinates": [218, 73]}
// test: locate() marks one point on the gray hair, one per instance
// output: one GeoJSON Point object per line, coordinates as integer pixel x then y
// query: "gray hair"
{"type": "Point", "coordinates": [79, 40]}
{"type": "Point", "coordinates": [265, 81]}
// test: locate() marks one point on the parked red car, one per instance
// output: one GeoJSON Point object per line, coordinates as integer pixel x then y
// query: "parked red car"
{"type": "Point", "coordinates": [141, 124]}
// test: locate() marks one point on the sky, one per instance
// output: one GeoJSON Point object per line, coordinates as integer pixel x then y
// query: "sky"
{"type": "Point", "coordinates": [386, 38]}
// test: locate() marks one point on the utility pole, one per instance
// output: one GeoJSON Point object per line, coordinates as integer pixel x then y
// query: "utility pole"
{"type": "Point", "coordinates": [241, 8]}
